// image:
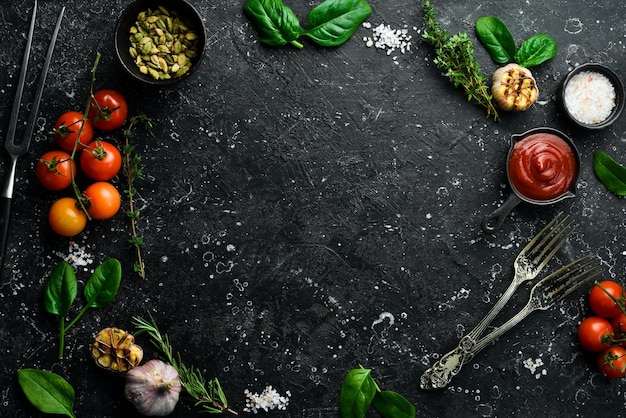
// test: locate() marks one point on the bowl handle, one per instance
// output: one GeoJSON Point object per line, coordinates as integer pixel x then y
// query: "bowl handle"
{"type": "Point", "coordinates": [495, 219]}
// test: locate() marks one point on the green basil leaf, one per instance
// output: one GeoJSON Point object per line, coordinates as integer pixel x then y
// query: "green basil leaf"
{"type": "Point", "coordinates": [610, 173]}
{"type": "Point", "coordinates": [535, 50]}
{"type": "Point", "coordinates": [393, 405]}
{"type": "Point", "coordinates": [497, 39]}
{"type": "Point", "coordinates": [275, 22]}
{"type": "Point", "coordinates": [333, 22]}
{"type": "Point", "coordinates": [60, 289]}
{"type": "Point", "coordinates": [48, 392]}
{"type": "Point", "coordinates": [103, 284]}
{"type": "Point", "coordinates": [357, 392]}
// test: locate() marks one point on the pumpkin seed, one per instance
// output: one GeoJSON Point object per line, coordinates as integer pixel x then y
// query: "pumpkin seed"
{"type": "Point", "coordinates": [162, 45]}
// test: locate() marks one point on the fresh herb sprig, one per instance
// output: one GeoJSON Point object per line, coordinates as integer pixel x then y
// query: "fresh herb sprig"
{"type": "Point", "coordinates": [207, 395]}
{"type": "Point", "coordinates": [359, 392]}
{"type": "Point", "coordinates": [455, 56]}
{"type": "Point", "coordinates": [132, 169]}
{"type": "Point", "coordinates": [61, 289]}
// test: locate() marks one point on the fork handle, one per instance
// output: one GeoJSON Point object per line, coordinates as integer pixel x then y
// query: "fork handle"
{"type": "Point", "coordinates": [449, 365]}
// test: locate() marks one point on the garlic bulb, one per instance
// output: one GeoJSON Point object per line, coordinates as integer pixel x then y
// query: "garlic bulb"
{"type": "Point", "coordinates": [514, 88]}
{"type": "Point", "coordinates": [153, 388]}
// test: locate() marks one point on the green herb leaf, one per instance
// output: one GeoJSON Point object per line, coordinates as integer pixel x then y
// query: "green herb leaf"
{"type": "Point", "coordinates": [60, 290]}
{"type": "Point", "coordinates": [48, 392]}
{"type": "Point", "coordinates": [103, 284]}
{"type": "Point", "coordinates": [357, 392]}
{"type": "Point", "coordinates": [393, 405]}
{"type": "Point", "coordinates": [497, 39]}
{"type": "Point", "coordinates": [610, 173]}
{"type": "Point", "coordinates": [276, 23]}
{"type": "Point", "coordinates": [333, 22]}
{"type": "Point", "coordinates": [536, 50]}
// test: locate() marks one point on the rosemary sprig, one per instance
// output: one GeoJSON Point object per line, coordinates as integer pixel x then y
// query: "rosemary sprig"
{"type": "Point", "coordinates": [207, 395]}
{"type": "Point", "coordinates": [132, 170]}
{"type": "Point", "coordinates": [455, 55]}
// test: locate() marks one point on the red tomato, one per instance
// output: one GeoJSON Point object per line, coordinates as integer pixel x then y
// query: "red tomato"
{"type": "Point", "coordinates": [603, 296]}
{"type": "Point", "coordinates": [108, 110]}
{"type": "Point", "coordinates": [100, 160]}
{"type": "Point", "coordinates": [54, 170]}
{"type": "Point", "coordinates": [612, 362]}
{"type": "Point", "coordinates": [104, 200]}
{"type": "Point", "coordinates": [595, 333]}
{"type": "Point", "coordinates": [66, 218]}
{"type": "Point", "coordinates": [67, 128]}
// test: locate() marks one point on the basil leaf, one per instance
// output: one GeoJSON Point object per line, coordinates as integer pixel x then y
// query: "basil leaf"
{"type": "Point", "coordinates": [48, 392]}
{"type": "Point", "coordinates": [357, 392]}
{"type": "Point", "coordinates": [610, 173]}
{"type": "Point", "coordinates": [393, 405]}
{"type": "Point", "coordinates": [535, 50]}
{"type": "Point", "coordinates": [497, 39]}
{"type": "Point", "coordinates": [333, 22]}
{"type": "Point", "coordinates": [103, 284]}
{"type": "Point", "coordinates": [60, 289]}
{"type": "Point", "coordinates": [276, 23]}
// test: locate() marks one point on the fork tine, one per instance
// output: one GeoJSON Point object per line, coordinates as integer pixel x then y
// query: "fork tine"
{"type": "Point", "coordinates": [574, 279]}
{"type": "Point", "coordinates": [548, 241]}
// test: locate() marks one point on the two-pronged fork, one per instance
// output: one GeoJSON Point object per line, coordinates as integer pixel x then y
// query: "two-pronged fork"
{"type": "Point", "coordinates": [528, 264]}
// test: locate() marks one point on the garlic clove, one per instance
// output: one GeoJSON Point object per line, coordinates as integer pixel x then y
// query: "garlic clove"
{"type": "Point", "coordinates": [154, 388]}
{"type": "Point", "coordinates": [514, 88]}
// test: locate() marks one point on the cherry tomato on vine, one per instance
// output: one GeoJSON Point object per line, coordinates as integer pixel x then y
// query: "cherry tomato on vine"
{"type": "Point", "coordinates": [108, 110]}
{"type": "Point", "coordinates": [603, 304]}
{"type": "Point", "coordinates": [67, 128]}
{"type": "Point", "coordinates": [104, 200]}
{"type": "Point", "coordinates": [54, 170]}
{"type": "Point", "coordinates": [66, 218]}
{"type": "Point", "coordinates": [595, 333]}
{"type": "Point", "coordinates": [100, 160]}
{"type": "Point", "coordinates": [612, 362]}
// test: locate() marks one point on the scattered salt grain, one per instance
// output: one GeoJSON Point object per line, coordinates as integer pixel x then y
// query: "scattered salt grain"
{"type": "Point", "coordinates": [534, 365]}
{"type": "Point", "coordinates": [590, 97]}
{"type": "Point", "coordinates": [266, 401]}
{"type": "Point", "coordinates": [77, 256]}
{"type": "Point", "coordinates": [386, 38]}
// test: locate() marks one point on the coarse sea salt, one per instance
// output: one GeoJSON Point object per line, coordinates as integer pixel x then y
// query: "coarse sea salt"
{"type": "Point", "coordinates": [589, 97]}
{"type": "Point", "coordinates": [386, 38]}
{"type": "Point", "coordinates": [266, 401]}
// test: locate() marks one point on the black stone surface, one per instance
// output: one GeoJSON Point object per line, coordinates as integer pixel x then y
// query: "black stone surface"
{"type": "Point", "coordinates": [308, 211]}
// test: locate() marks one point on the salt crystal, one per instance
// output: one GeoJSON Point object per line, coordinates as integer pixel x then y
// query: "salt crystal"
{"type": "Point", "coordinates": [267, 400]}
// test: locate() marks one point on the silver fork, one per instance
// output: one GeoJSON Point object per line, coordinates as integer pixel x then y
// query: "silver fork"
{"type": "Point", "coordinates": [528, 264]}
{"type": "Point", "coordinates": [545, 294]}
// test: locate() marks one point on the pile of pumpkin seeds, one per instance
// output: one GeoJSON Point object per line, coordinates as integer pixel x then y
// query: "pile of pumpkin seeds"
{"type": "Point", "coordinates": [162, 45]}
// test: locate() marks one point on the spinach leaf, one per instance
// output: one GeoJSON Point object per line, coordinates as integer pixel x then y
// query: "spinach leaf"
{"type": "Point", "coordinates": [276, 23]}
{"type": "Point", "coordinates": [393, 405]}
{"type": "Point", "coordinates": [333, 22]}
{"type": "Point", "coordinates": [60, 290]}
{"type": "Point", "coordinates": [103, 284]}
{"type": "Point", "coordinates": [535, 50]}
{"type": "Point", "coordinates": [610, 173]}
{"type": "Point", "coordinates": [497, 39]}
{"type": "Point", "coordinates": [48, 392]}
{"type": "Point", "coordinates": [357, 392]}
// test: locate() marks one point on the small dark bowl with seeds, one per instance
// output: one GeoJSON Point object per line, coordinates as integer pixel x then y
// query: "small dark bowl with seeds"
{"type": "Point", "coordinates": [160, 42]}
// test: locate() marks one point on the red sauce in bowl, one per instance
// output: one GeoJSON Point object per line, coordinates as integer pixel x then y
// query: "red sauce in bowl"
{"type": "Point", "coordinates": [542, 166]}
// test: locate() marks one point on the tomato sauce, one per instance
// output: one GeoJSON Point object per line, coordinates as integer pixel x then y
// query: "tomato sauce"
{"type": "Point", "coordinates": [542, 166]}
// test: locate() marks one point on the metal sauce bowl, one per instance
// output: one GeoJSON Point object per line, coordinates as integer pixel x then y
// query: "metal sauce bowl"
{"type": "Point", "coordinates": [494, 220]}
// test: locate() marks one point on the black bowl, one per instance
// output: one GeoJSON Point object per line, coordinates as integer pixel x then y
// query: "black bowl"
{"type": "Point", "coordinates": [189, 16]}
{"type": "Point", "coordinates": [617, 85]}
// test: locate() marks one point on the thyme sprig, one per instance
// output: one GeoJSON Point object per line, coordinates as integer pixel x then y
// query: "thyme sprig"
{"type": "Point", "coordinates": [455, 55]}
{"type": "Point", "coordinates": [208, 395]}
{"type": "Point", "coordinates": [132, 169]}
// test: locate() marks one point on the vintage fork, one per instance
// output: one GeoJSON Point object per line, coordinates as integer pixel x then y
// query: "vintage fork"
{"type": "Point", "coordinates": [528, 264]}
{"type": "Point", "coordinates": [545, 294]}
